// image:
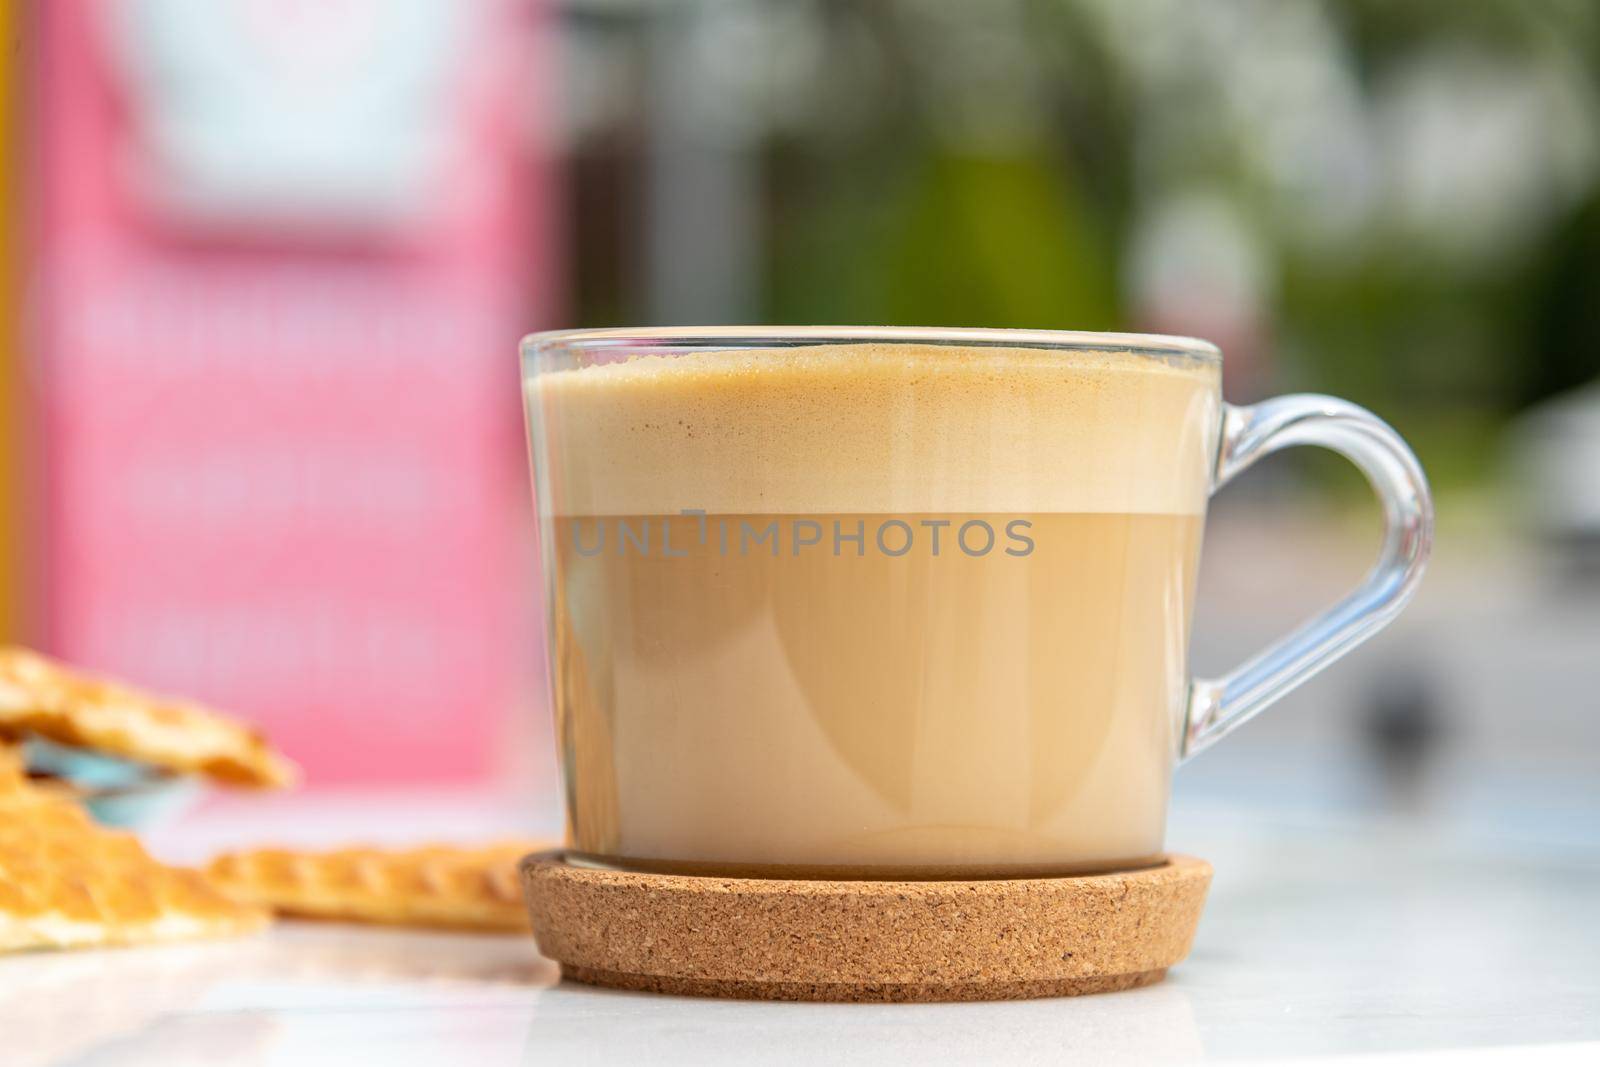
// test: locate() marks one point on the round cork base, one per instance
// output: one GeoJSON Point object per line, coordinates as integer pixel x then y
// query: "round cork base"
{"type": "Point", "coordinates": [778, 939]}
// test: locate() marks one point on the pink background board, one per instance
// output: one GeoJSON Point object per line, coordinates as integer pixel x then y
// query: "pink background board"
{"type": "Point", "coordinates": [281, 457]}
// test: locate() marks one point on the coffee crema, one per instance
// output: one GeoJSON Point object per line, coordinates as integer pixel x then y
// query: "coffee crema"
{"type": "Point", "coordinates": [940, 703]}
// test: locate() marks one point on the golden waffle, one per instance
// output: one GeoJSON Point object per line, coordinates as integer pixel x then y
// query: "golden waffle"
{"type": "Point", "coordinates": [67, 882]}
{"type": "Point", "coordinates": [40, 696]}
{"type": "Point", "coordinates": [434, 885]}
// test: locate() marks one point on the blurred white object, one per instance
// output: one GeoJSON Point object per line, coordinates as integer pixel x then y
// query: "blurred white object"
{"type": "Point", "coordinates": [335, 112]}
{"type": "Point", "coordinates": [1555, 463]}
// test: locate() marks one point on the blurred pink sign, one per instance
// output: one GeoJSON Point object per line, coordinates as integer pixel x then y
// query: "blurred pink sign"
{"type": "Point", "coordinates": [283, 254]}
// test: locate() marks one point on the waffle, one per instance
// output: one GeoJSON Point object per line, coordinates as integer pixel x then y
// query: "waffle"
{"type": "Point", "coordinates": [66, 882]}
{"type": "Point", "coordinates": [40, 696]}
{"type": "Point", "coordinates": [434, 885]}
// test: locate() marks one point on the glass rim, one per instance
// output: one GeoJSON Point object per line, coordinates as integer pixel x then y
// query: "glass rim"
{"type": "Point", "coordinates": [711, 337]}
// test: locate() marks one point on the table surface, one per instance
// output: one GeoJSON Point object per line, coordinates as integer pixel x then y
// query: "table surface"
{"type": "Point", "coordinates": [1323, 938]}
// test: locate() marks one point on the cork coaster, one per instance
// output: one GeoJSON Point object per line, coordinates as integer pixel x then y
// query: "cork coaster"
{"type": "Point", "coordinates": [865, 941]}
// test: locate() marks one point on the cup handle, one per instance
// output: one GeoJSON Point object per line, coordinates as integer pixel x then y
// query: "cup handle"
{"type": "Point", "coordinates": [1218, 705]}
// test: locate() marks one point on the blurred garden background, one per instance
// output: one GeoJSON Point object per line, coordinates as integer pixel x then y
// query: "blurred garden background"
{"type": "Point", "coordinates": [1396, 203]}
{"type": "Point", "coordinates": [269, 263]}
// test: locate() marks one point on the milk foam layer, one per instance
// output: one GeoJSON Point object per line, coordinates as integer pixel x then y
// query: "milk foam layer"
{"type": "Point", "coordinates": [877, 428]}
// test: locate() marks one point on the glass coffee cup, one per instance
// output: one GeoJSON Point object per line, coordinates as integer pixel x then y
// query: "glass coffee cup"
{"type": "Point", "coordinates": [902, 603]}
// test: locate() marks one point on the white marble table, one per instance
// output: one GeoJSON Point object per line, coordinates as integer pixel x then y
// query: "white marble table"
{"type": "Point", "coordinates": [1393, 941]}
